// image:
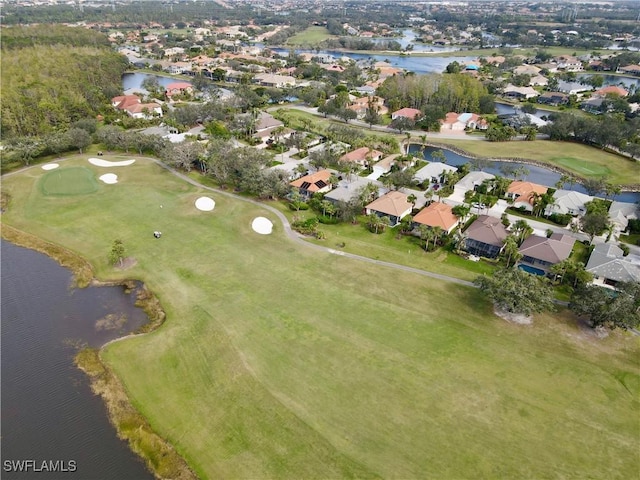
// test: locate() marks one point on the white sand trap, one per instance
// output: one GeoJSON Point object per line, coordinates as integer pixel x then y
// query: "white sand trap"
{"type": "Point", "coordinates": [109, 178]}
{"type": "Point", "coordinates": [50, 166]}
{"type": "Point", "coordinates": [205, 204]}
{"type": "Point", "coordinates": [98, 162]}
{"type": "Point", "coordinates": [262, 225]}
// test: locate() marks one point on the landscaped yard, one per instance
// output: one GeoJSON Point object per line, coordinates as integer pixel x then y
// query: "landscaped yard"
{"type": "Point", "coordinates": [278, 360]}
{"type": "Point", "coordinates": [583, 160]}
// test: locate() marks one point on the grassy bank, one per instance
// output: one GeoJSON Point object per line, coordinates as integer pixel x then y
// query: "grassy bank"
{"type": "Point", "coordinates": [280, 361]}
{"type": "Point", "coordinates": [160, 457]}
{"type": "Point", "coordinates": [309, 37]}
{"type": "Point", "coordinates": [582, 160]}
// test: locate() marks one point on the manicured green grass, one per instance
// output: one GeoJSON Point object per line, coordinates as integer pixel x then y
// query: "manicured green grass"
{"type": "Point", "coordinates": [68, 181]}
{"type": "Point", "coordinates": [582, 160]}
{"type": "Point", "coordinates": [310, 36]}
{"type": "Point", "coordinates": [281, 361]}
{"type": "Point", "coordinates": [632, 238]}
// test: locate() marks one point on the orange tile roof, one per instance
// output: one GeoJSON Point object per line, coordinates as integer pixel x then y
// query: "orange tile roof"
{"type": "Point", "coordinates": [316, 181]}
{"type": "Point", "coordinates": [361, 154]}
{"type": "Point", "coordinates": [437, 215]}
{"type": "Point", "coordinates": [525, 190]}
{"type": "Point", "coordinates": [392, 203]}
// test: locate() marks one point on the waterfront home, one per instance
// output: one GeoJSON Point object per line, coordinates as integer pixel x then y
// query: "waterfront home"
{"type": "Point", "coordinates": [519, 93]}
{"type": "Point", "coordinates": [178, 88]}
{"type": "Point", "coordinates": [133, 106]}
{"type": "Point", "coordinates": [523, 194]}
{"type": "Point", "coordinates": [553, 98]}
{"type": "Point", "coordinates": [485, 237]}
{"type": "Point", "coordinates": [568, 202]}
{"type": "Point", "coordinates": [539, 254]}
{"type": "Point", "coordinates": [470, 181]}
{"type": "Point", "coordinates": [621, 212]}
{"type": "Point", "coordinates": [434, 172]}
{"type": "Point", "coordinates": [459, 122]}
{"type": "Point", "coordinates": [611, 90]}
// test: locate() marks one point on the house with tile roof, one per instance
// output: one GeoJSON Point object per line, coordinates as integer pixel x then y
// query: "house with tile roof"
{"type": "Point", "coordinates": [393, 205]}
{"type": "Point", "coordinates": [539, 254]}
{"type": "Point", "coordinates": [409, 113]}
{"type": "Point", "coordinates": [317, 182]}
{"type": "Point", "coordinates": [459, 122]}
{"type": "Point", "coordinates": [177, 88]}
{"type": "Point", "coordinates": [485, 237]}
{"type": "Point", "coordinates": [621, 212]}
{"type": "Point", "coordinates": [350, 189]}
{"type": "Point", "coordinates": [135, 108]}
{"type": "Point", "coordinates": [609, 266]}
{"type": "Point", "coordinates": [363, 156]}
{"type": "Point", "coordinates": [524, 193]}
{"type": "Point", "coordinates": [521, 93]}
{"type": "Point", "coordinates": [611, 90]}
{"type": "Point", "coordinates": [437, 214]}
{"type": "Point", "coordinates": [471, 181]}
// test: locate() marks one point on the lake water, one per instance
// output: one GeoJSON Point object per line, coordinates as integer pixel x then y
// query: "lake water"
{"type": "Point", "coordinates": [134, 80]}
{"type": "Point", "coordinates": [419, 65]}
{"type": "Point", "coordinates": [48, 409]}
{"type": "Point", "coordinates": [539, 175]}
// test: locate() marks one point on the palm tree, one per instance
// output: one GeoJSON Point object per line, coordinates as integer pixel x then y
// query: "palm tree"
{"type": "Point", "coordinates": [426, 234]}
{"type": "Point", "coordinates": [377, 224]}
{"type": "Point", "coordinates": [510, 250]}
{"type": "Point", "coordinates": [522, 230]}
{"type": "Point", "coordinates": [461, 211]}
{"type": "Point", "coordinates": [438, 235]}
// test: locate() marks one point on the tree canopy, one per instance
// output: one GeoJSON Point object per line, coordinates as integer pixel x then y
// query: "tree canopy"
{"type": "Point", "coordinates": [517, 291]}
{"type": "Point", "coordinates": [608, 308]}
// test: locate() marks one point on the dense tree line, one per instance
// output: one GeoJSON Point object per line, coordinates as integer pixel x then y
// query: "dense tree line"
{"type": "Point", "coordinates": [47, 87]}
{"type": "Point", "coordinates": [436, 92]}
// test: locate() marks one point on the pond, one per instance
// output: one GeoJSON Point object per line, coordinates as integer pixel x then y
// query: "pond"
{"type": "Point", "coordinates": [539, 175]}
{"type": "Point", "coordinates": [48, 409]}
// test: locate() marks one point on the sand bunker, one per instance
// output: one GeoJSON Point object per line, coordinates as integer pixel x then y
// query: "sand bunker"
{"type": "Point", "coordinates": [50, 166]}
{"type": "Point", "coordinates": [262, 225]}
{"type": "Point", "coordinates": [98, 162]}
{"type": "Point", "coordinates": [205, 204]}
{"type": "Point", "coordinates": [109, 178]}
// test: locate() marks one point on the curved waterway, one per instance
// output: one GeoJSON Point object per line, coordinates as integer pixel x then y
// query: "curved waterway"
{"type": "Point", "coordinates": [537, 174]}
{"type": "Point", "coordinates": [48, 410]}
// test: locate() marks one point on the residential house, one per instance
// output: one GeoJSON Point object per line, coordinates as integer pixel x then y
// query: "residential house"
{"type": "Point", "coordinates": [434, 172]}
{"type": "Point", "coordinates": [409, 113]}
{"type": "Point", "coordinates": [360, 105]}
{"type": "Point", "coordinates": [349, 189]}
{"type": "Point", "coordinates": [384, 165]}
{"type": "Point", "coordinates": [573, 88]}
{"type": "Point", "coordinates": [568, 202]}
{"type": "Point", "coordinates": [275, 81]}
{"type": "Point", "coordinates": [539, 81]}
{"type": "Point", "coordinates": [524, 193]}
{"type": "Point", "coordinates": [266, 122]}
{"type": "Point", "coordinates": [609, 266]}
{"type": "Point", "coordinates": [520, 93]}
{"type": "Point", "coordinates": [621, 212]}
{"type": "Point", "coordinates": [393, 205]}
{"type": "Point", "coordinates": [485, 237]}
{"type": "Point", "coordinates": [317, 182]}
{"type": "Point", "coordinates": [527, 70]}
{"type": "Point", "coordinates": [437, 214]}
{"type": "Point", "coordinates": [179, 67]}
{"type": "Point", "coordinates": [569, 63]}
{"type": "Point", "coordinates": [459, 122]}
{"type": "Point", "coordinates": [611, 90]}
{"type": "Point", "coordinates": [363, 156]}
{"type": "Point", "coordinates": [470, 181]}
{"type": "Point", "coordinates": [553, 98]}
{"type": "Point", "coordinates": [540, 253]}
{"type": "Point", "coordinates": [135, 108]}
{"type": "Point", "coordinates": [630, 70]}
{"type": "Point", "coordinates": [594, 105]}
{"type": "Point", "coordinates": [178, 88]}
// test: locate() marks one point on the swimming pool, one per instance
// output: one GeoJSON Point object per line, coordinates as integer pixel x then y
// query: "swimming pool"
{"type": "Point", "coordinates": [530, 269]}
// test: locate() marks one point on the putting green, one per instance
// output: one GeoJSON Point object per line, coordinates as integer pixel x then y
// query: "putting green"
{"type": "Point", "coordinates": [68, 181]}
{"type": "Point", "coordinates": [583, 167]}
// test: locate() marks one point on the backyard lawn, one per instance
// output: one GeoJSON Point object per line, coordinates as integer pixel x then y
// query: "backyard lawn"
{"type": "Point", "coordinates": [278, 360]}
{"type": "Point", "coordinates": [584, 161]}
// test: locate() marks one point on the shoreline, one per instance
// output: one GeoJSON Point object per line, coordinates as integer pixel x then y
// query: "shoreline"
{"type": "Point", "coordinates": [633, 188]}
{"type": "Point", "coordinates": [159, 456]}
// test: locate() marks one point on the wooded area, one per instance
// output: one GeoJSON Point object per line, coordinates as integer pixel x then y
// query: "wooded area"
{"type": "Point", "coordinates": [53, 76]}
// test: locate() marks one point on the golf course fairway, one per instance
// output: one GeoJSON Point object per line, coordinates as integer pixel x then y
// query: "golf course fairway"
{"type": "Point", "coordinates": [279, 360]}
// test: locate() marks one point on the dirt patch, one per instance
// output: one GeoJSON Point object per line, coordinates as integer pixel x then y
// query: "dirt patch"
{"type": "Point", "coordinates": [127, 262]}
{"type": "Point", "coordinates": [518, 318]}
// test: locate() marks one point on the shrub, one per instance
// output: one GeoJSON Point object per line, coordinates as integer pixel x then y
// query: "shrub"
{"type": "Point", "coordinates": [560, 218]}
{"type": "Point", "coordinates": [327, 220]}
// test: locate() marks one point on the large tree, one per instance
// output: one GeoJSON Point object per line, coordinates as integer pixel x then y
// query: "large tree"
{"type": "Point", "coordinates": [603, 307]}
{"type": "Point", "coordinates": [517, 291]}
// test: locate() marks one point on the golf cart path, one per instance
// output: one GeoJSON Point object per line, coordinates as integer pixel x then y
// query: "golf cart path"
{"type": "Point", "coordinates": [296, 237]}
